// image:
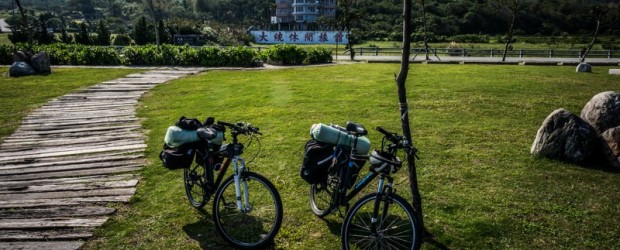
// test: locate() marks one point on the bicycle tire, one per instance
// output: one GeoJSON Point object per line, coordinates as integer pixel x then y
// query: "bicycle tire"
{"type": "Point", "coordinates": [256, 228]}
{"type": "Point", "coordinates": [195, 180]}
{"type": "Point", "coordinates": [397, 229]}
{"type": "Point", "coordinates": [321, 200]}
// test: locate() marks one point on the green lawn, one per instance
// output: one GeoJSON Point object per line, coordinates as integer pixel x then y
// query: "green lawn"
{"type": "Point", "coordinates": [4, 39]}
{"type": "Point", "coordinates": [473, 125]}
{"type": "Point", "coordinates": [18, 96]}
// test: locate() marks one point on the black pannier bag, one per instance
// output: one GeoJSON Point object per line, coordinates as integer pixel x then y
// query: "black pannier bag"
{"type": "Point", "coordinates": [188, 123]}
{"type": "Point", "coordinates": [179, 157]}
{"type": "Point", "coordinates": [318, 158]}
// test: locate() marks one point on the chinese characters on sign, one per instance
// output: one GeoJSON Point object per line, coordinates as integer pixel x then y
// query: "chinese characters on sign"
{"type": "Point", "coordinates": [300, 37]}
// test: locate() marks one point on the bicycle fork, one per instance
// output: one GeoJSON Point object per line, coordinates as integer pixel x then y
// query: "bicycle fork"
{"type": "Point", "coordinates": [382, 197]}
{"type": "Point", "coordinates": [241, 193]}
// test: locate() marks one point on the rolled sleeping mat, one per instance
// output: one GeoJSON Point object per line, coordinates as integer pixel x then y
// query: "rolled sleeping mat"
{"type": "Point", "coordinates": [176, 137]}
{"type": "Point", "coordinates": [329, 134]}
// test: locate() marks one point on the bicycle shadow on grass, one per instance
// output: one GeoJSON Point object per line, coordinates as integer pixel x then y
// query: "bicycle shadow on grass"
{"type": "Point", "coordinates": [203, 231]}
{"type": "Point", "coordinates": [333, 224]}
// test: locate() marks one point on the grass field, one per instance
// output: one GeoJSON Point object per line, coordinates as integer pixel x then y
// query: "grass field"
{"type": "Point", "coordinates": [473, 125]}
{"type": "Point", "coordinates": [18, 96]}
{"type": "Point", "coordinates": [4, 39]}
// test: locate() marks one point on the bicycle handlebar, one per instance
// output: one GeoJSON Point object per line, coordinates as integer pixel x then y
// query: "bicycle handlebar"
{"type": "Point", "coordinates": [393, 137]}
{"type": "Point", "coordinates": [241, 127]}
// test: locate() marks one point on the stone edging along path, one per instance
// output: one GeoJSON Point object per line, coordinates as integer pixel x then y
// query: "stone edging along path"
{"type": "Point", "coordinates": [71, 157]}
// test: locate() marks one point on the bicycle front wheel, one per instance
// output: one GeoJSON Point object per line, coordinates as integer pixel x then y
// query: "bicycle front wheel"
{"type": "Point", "coordinates": [396, 225]}
{"type": "Point", "coordinates": [257, 221]}
{"type": "Point", "coordinates": [195, 178]}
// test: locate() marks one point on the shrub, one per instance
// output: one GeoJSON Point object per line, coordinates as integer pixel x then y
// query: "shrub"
{"type": "Point", "coordinates": [6, 54]}
{"type": "Point", "coordinates": [122, 40]}
{"type": "Point", "coordinates": [210, 57]}
{"type": "Point", "coordinates": [318, 55]}
{"type": "Point", "coordinates": [240, 57]}
{"type": "Point", "coordinates": [470, 38]}
{"type": "Point", "coordinates": [286, 54]}
{"type": "Point", "coordinates": [141, 55]}
{"type": "Point", "coordinates": [75, 54]}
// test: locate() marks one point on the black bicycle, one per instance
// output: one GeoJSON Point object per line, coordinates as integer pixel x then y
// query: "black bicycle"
{"type": "Point", "coordinates": [247, 209]}
{"type": "Point", "coordinates": [381, 220]}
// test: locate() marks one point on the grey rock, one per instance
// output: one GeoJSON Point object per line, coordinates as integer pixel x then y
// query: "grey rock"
{"type": "Point", "coordinates": [612, 138]}
{"type": "Point", "coordinates": [20, 69]}
{"type": "Point", "coordinates": [603, 111]}
{"type": "Point", "coordinates": [565, 136]}
{"type": "Point", "coordinates": [21, 56]}
{"type": "Point", "coordinates": [41, 62]}
{"type": "Point", "coordinates": [584, 67]}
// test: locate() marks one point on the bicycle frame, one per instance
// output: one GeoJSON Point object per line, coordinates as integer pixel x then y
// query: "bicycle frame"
{"type": "Point", "coordinates": [343, 198]}
{"type": "Point", "coordinates": [238, 167]}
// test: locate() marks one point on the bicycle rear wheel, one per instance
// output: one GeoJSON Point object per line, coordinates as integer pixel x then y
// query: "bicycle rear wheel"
{"type": "Point", "coordinates": [195, 179]}
{"type": "Point", "coordinates": [397, 226]}
{"type": "Point", "coordinates": [321, 200]}
{"type": "Point", "coordinates": [253, 226]}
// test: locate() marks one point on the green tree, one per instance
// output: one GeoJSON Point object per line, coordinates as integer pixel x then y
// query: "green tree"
{"type": "Point", "coordinates": [64, 35]}
{"type": "Point", "coordinates": [164, 34]}
{"type": "Point", "coordinates": [83, 37]}
{"type": "Point", "coordinates": [42, 35]}
{"type": "Point", "coordinates": [140, 32]}
{"type": "Point", "coordinates": [143, 33]}
{"type": "Point", "coordinates": [103, 34]}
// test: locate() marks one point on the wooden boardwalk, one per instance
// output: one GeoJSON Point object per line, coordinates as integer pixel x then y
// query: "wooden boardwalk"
{"type": "Point", "coordinates": [70, 158]}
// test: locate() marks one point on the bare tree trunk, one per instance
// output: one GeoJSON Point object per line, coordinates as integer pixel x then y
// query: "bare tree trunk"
{"type": "Point", "coordinates": [404, 110]}
{"type": "Point", "coordinates": [510, 29]}
{"type": "Point", "coordinates": [155, 18]}
{"type": "Point", "coordinates": [25, 23]}
{"type": "Point", "coordinates": [598, 24]}
{"type": "Point", "coordinates": [426, 48]}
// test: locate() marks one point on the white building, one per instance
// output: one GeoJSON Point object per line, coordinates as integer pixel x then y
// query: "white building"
{"type": "Point", "coordinates": [298, 14]}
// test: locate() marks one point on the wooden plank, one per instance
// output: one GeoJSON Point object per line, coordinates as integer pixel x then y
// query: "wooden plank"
{"type": "Point", "coordinates": [68, 187]}
{"type": "Point", "coordinates": [146, 80]}
{"type": "Point", "coordinates": [67, 194]}
{"type": "Point", "coordinates": [38, 245]}
{"type": "Point", "coordinates": [37, 150]}
{"type": "Point", "coordinates": [66, 123]}
{"type": "Point", "coordinates": [58, 142]}
{"type": "Point", "coordinates": [68, 180]}
{"type": "Point", "coordinates": [22, 137]}
{"type": "Point", "coordinates": [73, 160]}
{"type": "Point", "coordinates": [63, 202]}
{"type": "Point", "coordinates": [89, 150]}
{"type": "Point", "coordinates": [34, 170]}
{"type": "Point", "coordinates": [72, 173]}
{"type": "Point", "coordinates": [51, 223]}
{"type": "Point", "coordinates": [38, 118]}
{"type": "Point", "coordinates": [47, 234]}
{"type": "Point", "coordinates": [54, 212]}
{"type": "Point", "coordinates": [139, 151]}
{"type": "Point", "coordinates": [33, 149]}
{"type": "Point", "coordinates": [88, 110]}
{"type": "Point", "coordinates": [84, 109]}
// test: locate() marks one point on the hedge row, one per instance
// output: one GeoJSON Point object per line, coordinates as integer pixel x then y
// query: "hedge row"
{"type": "Point", "coordinates": [73, 54]}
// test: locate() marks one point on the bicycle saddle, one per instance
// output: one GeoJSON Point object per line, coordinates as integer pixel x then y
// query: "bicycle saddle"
{"type": "Point", "coordinates": [356, 128]}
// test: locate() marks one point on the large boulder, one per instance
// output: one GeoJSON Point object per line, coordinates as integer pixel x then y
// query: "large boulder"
{"type": "Point", "coordinates": [20, 69]}
{"type": "Point", "coordinates": [603, 111]}
{"type": "Point", "coordinates": [612, 138]}
{"type": "Point", "coordinates": [21, 56]}
{"type": "Point", "coordinates": [584, 67]}
{"type": "Point", "coordinates": [565, 136]}
{"type": "Point", "coordinates": [41, 63]}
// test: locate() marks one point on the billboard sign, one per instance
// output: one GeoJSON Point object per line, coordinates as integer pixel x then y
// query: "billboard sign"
{"type": "Point", "coordinates": [299, 37]}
